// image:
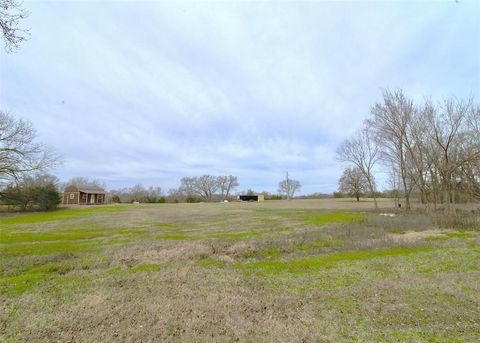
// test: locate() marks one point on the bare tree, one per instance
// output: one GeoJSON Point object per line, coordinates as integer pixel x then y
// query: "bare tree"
{"type": "Point", "coordinates": [19, 152]}
{"type": "Point", "coordinates": [39, 179]}
{"type": "Point", "coordinates": [433, 148]}
{"type": "Point", "coordinates": [203, 186]}
{"type": "Point", "coordinates": [289, 187]}
{"type": "Point", "coordinates": [451, 136]}
{"type": "Point", "coordinates": [353, 182]}
{"type": "Point", "coordinates": [11, 15]}
{"type": "Point", "coordinates": [138, 193]}
{"type": "Point", "coordinates": [470, 170]}
{"type": "Point", "coordinates": [206, 186]}
{"type": "Point", "coordinates": [175, 195]}
{"type": "Point", "coordinates": [389, 124]}
{"type": "Point", "coordinates": [187, 187]}
{"type": "Point", "coordinates": [361, 151]}
{"type": "Point", "coordinates": [226, 184]}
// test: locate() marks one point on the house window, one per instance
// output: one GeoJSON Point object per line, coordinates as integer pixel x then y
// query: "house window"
{"type": "Point", "coordinates": [72, 196]}
{"type": "Point", "coordinates": [84, 196]}
{"type": "Point", "coordinates": [99, 197]}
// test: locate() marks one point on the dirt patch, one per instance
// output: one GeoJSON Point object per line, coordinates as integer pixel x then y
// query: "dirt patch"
{"type": "Point", "coordinates": [241, 248]}
{"type": "Point", "coordinates": [151, 254]}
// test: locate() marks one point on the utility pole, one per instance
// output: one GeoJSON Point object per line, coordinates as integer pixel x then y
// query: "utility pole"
{"type": "Point", "coordinates": [288, 188]}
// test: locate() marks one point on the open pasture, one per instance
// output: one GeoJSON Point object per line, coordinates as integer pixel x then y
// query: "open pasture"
{"type": "Point", "coordinates": [299, 271]}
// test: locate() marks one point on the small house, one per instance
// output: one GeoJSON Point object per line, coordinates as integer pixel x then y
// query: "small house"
{"type": "Point", "coordinates": [84, 195]}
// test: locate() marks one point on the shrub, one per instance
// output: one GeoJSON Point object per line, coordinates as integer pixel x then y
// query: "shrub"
{"type": "Point", "coordinates": [192, 199]}
{"type": "Point", "coordinates": [44, 197]}
{"type": "Point", "coordinates": [273, 197]}
{"type": "Point", "coordinates": [13, 196]}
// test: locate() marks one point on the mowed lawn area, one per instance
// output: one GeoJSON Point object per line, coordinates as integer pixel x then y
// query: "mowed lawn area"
{"type": "Point", "coordinates": [278, 271]}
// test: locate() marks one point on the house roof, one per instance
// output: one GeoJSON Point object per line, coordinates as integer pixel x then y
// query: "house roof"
{"type": "Point", "coordinates": [89, 189]}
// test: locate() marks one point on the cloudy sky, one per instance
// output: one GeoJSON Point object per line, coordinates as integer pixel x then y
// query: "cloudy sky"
{"type": "Point", "coordinates": [149, 92]}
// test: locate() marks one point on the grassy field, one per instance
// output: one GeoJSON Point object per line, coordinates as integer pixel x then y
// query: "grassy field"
{"type": "Point", "coordinates": [299, 271]}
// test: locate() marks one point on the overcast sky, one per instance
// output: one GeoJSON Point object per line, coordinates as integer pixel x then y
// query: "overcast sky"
{"type": "Point", "coordinates": [149, 92]}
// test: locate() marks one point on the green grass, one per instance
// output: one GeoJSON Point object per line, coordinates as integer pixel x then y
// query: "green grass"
{"type": "Point", "coordinates": [63, 240]}
{"type": "Point", "coordinates": [47, 248]}
{"type": "Point", "coordinates": [172, 236]}
{"type": "Point", "coordinates": [449, 235]}
{"type": "Point", "coordinates": [313, 264]}
{"type": "Point", "coordinates": [145, 268]}
{"type": "Point", "coordinates": [459, 235]}
{"type": "Point", "coordinates": [58, 215]}
{"type": "Point", "coordinates": [56, 235]}
{"type": "Point", "coordinates": [270, 253]}
{"type": "Point", "coordinates": [45, 278]}
{"type": "Point", "coordinates": [210, 262]}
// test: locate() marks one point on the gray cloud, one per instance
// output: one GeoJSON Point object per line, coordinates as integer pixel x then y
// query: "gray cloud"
{"type": "Point", "coordinates": [150, 92]}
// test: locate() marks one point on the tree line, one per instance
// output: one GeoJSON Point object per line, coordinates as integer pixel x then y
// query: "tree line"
{"type": "Point", "coordinates": [430, 148]}
{"type": "Point", "coordinates": [204, 188]}
{"type": "Point", "coordinates": [23, 160]}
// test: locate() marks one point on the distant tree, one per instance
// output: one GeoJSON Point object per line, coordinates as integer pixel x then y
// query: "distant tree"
{"type": "Point", "coordinates": [11, 15]}
{"type": "Point", "coordinates": [206, 186]}
{"type": "Point", "coordinates": [203, 187]}
{"type": "Point", "coordinates": [361, 151]}
{"type": "Point", "coordinates": [353, 182]}
{"type": "Point", "coordinates": [187, 187]}
{"type": "Point", "coordinates": [20, 154]}
{"type": "Point", "coordinates": [175, 195]}
{"type": "Point", "coordinates": [269, 196]}
{"type": "Point", "coordinates": [226, 184]}
{"type": "Point", "coordinates": [137, 193]}
{"type": "Point", "coordinates": [338, 195]}
{"type": "Point", "coordinates": [289, 187]}
{"type": "Point", "coordinates": [78, 181]}
{"type": "Point", "coordinates": [39, 179]}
